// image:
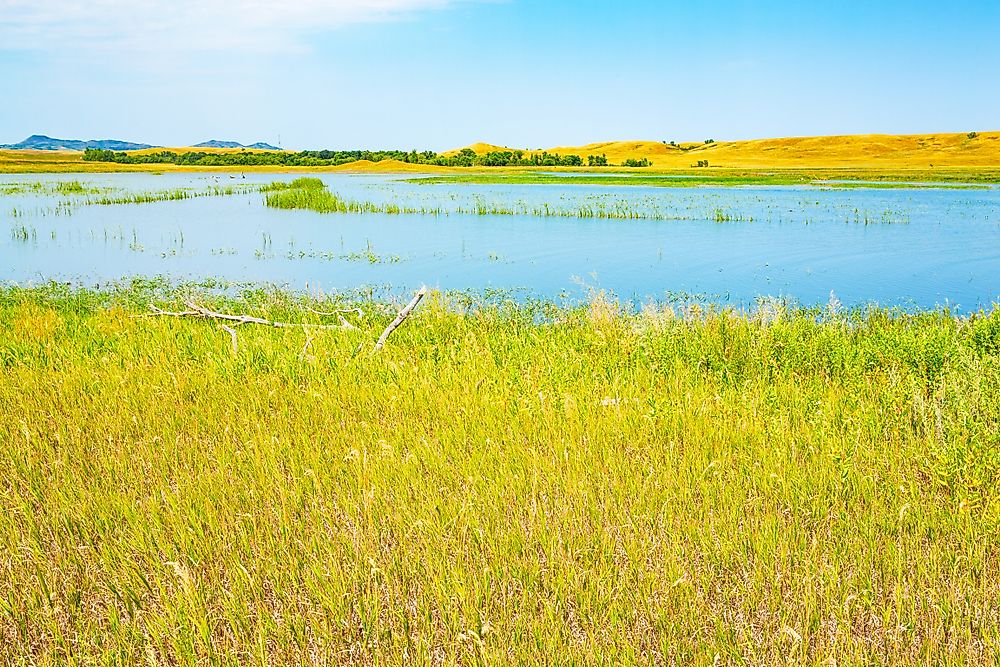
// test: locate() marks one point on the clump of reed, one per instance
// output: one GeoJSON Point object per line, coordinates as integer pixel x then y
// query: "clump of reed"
{"type": "Point", "coordinates": [72, 188]}
{"type": "Point", "coordinates": [302, 183]}
{"type": "Point", "coordinates": [320, 199]}
{"type": "Point", "coordinates": [176, 194]}
{"type": "Point", "coordinates": [316, 197]}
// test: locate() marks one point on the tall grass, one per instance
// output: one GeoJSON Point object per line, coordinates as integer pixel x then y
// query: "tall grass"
{"type": "Point", "coordinates": [302, 183]}
{"type": "Point", "coordinates": [176, 194]}
{"type": "Point", "coordinates": [324, 201]}
{"type": "Point", "coordinates": [317, 198]}
{"type": "Point", "coordinates": [73, 188]}
{"type": "Point", "coordinates": [502, 484]}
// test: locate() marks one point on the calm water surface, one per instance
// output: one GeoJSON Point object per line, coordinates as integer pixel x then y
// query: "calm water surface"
{"type": "Point", "coordinates": [916, 247]}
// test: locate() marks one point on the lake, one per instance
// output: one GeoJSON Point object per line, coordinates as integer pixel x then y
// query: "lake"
{"type": "Point", "coordinates": [923, 247]}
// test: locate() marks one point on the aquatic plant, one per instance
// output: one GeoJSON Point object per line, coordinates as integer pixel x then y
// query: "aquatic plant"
{"type": "Point", "coordinates": [176, 194]}
{"type": "Point", "coordinates": [322, 200]}
{"type": "Point", "coordinates": [23, 233]}
{"type": "Point", "coordinates": [303, 183]}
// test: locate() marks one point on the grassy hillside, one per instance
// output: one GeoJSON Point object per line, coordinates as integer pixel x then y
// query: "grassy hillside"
{"type": "Point", "coordinates": [893, 154]}
{"type": "Point", "coordinates": [506, 485]}
{"type": "Point", "coordinates": [875, 151]}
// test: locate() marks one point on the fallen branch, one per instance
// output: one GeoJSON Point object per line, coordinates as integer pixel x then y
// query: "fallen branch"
{"type": "Point", "coordinates": [403, 314]}
{"type": "Point", "coordinates": [360, 312]}
{"type": "Point", "coordinates": [167, 313]}
{"type": "Point", "coordinates": [194, 310]}
{"type": "Point", "coordinates": [232, 333]}
{"type": "Point", "coordinates": [305, 348]}
{"type": "Point", "coordinates": [201, 311]}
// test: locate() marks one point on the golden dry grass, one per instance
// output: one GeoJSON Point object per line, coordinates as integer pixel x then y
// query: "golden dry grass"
{"type": "Point", "coordinates": [859, 151]}
{"type": "Point", "coordinates": [659, 488]}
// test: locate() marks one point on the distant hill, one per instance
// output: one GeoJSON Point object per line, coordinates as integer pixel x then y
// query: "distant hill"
{"type": "Point", "coordinates": [215, 143]}
{"type": "Point", "coordinates": [971, 149]}
{"type": "Point", "coordinates": [40, 142]}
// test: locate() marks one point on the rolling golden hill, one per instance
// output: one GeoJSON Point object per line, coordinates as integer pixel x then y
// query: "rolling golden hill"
{"type": "Point", "coordinates": [877, 152]}
{"type": "Point", "coordinates": [882, 151]}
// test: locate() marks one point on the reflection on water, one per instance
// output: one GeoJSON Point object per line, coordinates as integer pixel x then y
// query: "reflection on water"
{"type": "Point", "coordinates": [895, 247]}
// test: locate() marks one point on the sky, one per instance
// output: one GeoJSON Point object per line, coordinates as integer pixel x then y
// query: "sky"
{"type": "Point", "coordinates": [439, 74]}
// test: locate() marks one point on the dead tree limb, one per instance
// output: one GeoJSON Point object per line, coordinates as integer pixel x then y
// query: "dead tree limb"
{"type": "Point", "coordinates": [232, 333]}
{"type": "Point", "coordinates": [403, 314]}
{"type": "Point", "coordinates": [360, 312]}
{"type": "Point", "coordinates": [167, 313]}
{"type": "Point", "coordinates": [305, 348]}
{"type": "Point", "coordinates": [201, 311]}
{"type": "Point", "coordinates": [197, 311]}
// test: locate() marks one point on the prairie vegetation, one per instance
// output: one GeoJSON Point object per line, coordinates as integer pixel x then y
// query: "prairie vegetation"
{"type": "Point", "coordinates": [977, 150]}
{"type": "Point", "coordinates": [501, 483]}
{"type": "Point", "coordinates": [463, 158]}
{"type": "Point", "coordinates": [312, 194]}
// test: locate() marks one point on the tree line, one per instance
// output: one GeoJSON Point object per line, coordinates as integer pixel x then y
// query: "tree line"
{"type": "Point", "coordinates": [463, 158]}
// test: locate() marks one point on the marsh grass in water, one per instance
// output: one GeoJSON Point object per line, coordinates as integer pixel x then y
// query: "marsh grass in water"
{"type": "Point", "coordinates": [312, 194]}
{"type": "Point", "coordinates": [23, 233]}
{"type": "Point", "coordinates": [501, 483]}
{"type": "Point", "coordinates": [321, 200]}
{"type": "Point", "coordinates": [316, 197]}
{"type": "Point", "coordinates": [170, 195]}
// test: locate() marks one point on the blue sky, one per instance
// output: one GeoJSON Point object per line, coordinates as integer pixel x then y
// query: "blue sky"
{"type": "Point", "coordinates": [436, 74]}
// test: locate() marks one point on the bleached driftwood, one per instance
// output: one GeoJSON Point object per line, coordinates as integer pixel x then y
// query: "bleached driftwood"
{"type": "Point", "coordinates": [344, 311]}
{"type": "Point", "coordinates": [201, 311]}
{"type": "Point", "coordinates": [195, 310]}
{"type": "Point", "coordinates": [403, 314]}
{"type": "Point", "coordinates": [232, 332]}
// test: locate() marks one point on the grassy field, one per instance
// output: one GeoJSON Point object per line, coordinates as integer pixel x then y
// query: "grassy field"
{"type": "Point", "coordinates": [500, 484]}
{"type": "Point", "coordinates": [827, 178]}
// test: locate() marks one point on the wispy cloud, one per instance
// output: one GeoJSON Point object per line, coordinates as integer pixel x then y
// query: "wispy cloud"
{"type": "Point", "coordinates": [173, 25]}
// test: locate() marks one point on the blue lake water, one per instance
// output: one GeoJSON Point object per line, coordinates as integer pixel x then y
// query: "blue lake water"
{"type": "Point", "coordinates": [909, 247]}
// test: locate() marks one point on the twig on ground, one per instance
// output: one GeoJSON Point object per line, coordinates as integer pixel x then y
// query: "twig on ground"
{"type": "Point", "coordinates": [194, 310]}
{"type": "Point", "coordinates": [305, 348]}
{"type": "Point", "coordinates": [201, 311]}
{"type": "Point", "coordinates": [232, 333]}
{"type": "Point", "coordinates": [360, 312]}
{"type": "Point", "coordinates": [403, 314]}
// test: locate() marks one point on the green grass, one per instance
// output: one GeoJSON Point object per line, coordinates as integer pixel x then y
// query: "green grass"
{"type": "Point", "coordinates": [23, 233]}
{"type": "Point", "coordinates": [825, 178]}
{"type": "Point", "coordinates": [111, 197]}
{"type": "Point", "coordinates": [170, 195]}
{"type": "Point", "coordinates": [48, 188]}
{"type": "Point", "coordinates": [303, 183]}
{"type": "Point", "coordinates": [585, 178]}
{"type": "Point", "coordinates": [73, 188]}
{"type": "Point", "coordinates": [321, 200]}
{"type": "Point", "coordinates": [502, 484]}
